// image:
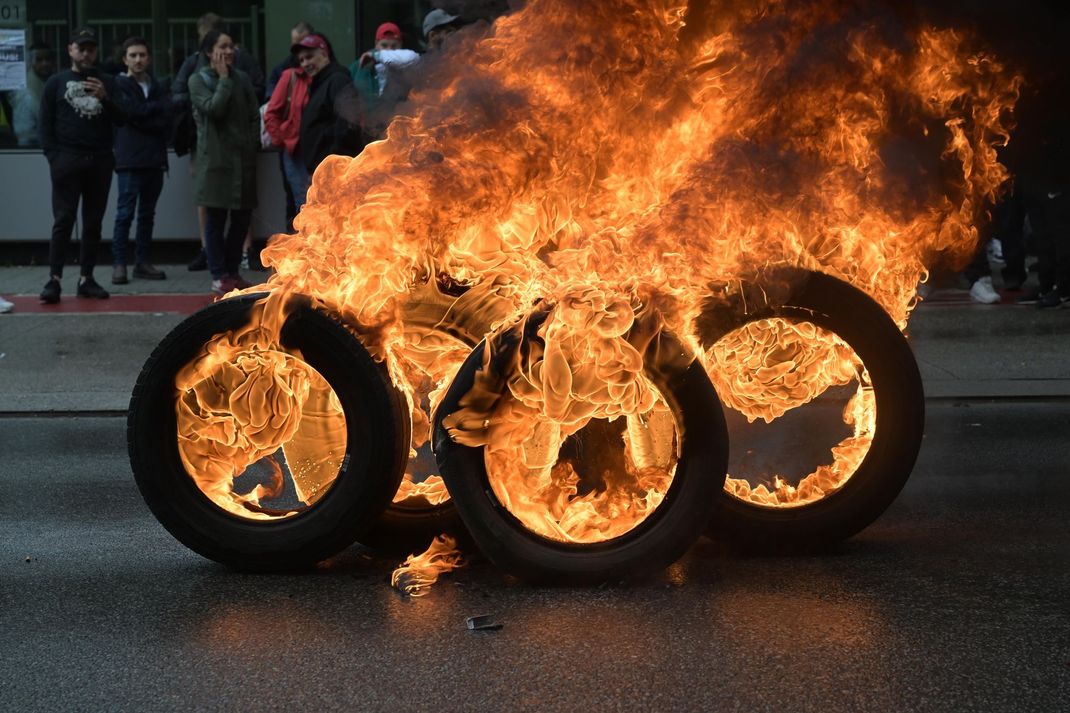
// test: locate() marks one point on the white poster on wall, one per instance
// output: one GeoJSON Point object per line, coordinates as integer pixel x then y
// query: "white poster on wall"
{"type": "Point", "coordinates": [12, 60]}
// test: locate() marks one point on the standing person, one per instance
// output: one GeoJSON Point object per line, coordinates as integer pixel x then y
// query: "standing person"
{"type": "Point", "coordinates": [140, 160]}
{"type": "Point", "coordinates": [244, 61]}
{"type": "Point", "coordinates": [228, 137]}
{"type": "Point", "coordinates": [378, 77]}
{"type": "Point", "coordinates": [181, 100]}
{"type": "Point", "coordinates": [297, 33]}
{"type": "Point", "coordinates": [26, 103]}
{"type": "Point", "coordinates": [78, 117]}
{"type": "Point", "coordinates": [438, 25]}
{"type": "Point", "coordinates": [282, 119]}
{"type": "Point", "coordinates": [329, 120]}
{"type": "Point", "coordinates": [1040, 160]}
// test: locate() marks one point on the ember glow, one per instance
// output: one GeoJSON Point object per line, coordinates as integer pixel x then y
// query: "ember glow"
{"type": "Point", "coordinates": [622, 168]}
{"type": "Point", "coordinates": [247, 400]}
{"type": "Point", "coordinates": [772, 366]}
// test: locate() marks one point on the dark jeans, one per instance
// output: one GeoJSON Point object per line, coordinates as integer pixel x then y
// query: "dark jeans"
{"type": "Point", "coordinates": [88, 178]}
{"type": "Point", "coordinates": [1049, 214]}
{"type": "Point", "coordinates": [138, 189]}
{"type": "Point", "coordinates": [978, 267]}
{"type": "Point", "coordinates": [1009, 220]}
{"type": "Point", "coordinates": [224, 251]}
{"type": "Point", "coordinates": [291, 208]}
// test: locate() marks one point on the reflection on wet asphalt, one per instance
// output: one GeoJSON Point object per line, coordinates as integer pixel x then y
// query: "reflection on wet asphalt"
{"type": "Point", "coordinates": [955, 599]}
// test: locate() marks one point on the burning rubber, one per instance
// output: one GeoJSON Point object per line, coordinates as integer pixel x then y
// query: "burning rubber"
{"type": "Point", "coordinates": [520, 320]}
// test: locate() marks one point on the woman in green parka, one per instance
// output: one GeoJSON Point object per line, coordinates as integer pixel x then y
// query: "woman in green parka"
{"type": "Point", "coordinates": [228, 137]}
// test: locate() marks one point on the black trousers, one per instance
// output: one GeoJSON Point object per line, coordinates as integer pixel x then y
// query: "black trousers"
{"type": "Point", "coordinates": [84, 177]}
{"type": "Point", "coordinates": [1048, 205]}
{"type": "Point", "coordinates": [1009, 218]}
{"type": "Point", "coordinates": [223, 245]}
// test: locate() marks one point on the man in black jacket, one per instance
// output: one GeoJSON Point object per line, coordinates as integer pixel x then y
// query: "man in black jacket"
{"type": "Point", "coordinates": [79, 113]}
{"type": "Point", "coordinates": [330, 120]}
{"type": "Point", "coordinates": [140, 160]}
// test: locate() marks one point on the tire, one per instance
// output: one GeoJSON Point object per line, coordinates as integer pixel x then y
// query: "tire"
{"type": "Point", "coordinates": [864, 325]}
{"type": "Point", "coordinates": [376, 433]}
{"type": "Point", "coordinates": [653, 544]}
{"type": "Point", "coordinates": [450, 310]}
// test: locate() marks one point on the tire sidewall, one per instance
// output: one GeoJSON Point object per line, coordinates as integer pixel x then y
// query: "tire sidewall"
{"type": "Point", "coordinates": [849, 313]}
{"type": "Point", "coordinates": [363, 489]}
{"type": "Point", "coordinates": [661, 539]}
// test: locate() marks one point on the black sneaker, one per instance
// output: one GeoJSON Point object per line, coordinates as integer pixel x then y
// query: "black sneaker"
{"type": "Point", "coordinates": [1049, 300]}
{"type": "Point", "coordinates": [50, 295]}
{"type": "Point", "coordinates": [146, 271]}
{"type": "Point", "coordinates": [1030, 298]}
{"type": "Point", "coordinates": [91, 289]}
{"type": "Point", "coordinates": [198, 263]}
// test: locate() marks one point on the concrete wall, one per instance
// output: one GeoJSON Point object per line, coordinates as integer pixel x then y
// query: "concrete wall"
{"type": "Point", "coordinates": [26, 200]}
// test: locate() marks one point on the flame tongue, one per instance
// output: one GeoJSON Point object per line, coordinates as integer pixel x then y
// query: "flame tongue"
{"type": "Point", "coordinates": [418, 573]}
{"type": "Point", "coordinates": [563, 162]}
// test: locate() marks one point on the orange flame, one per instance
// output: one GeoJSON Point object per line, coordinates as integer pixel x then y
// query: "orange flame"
{"type": "Point", "coordinates": [557, 160]}
{"type": "Point", "coordinates": [418, 573]}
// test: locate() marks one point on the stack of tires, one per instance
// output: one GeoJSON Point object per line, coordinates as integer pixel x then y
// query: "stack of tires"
{"type": "Point", "coordinates": [355, 503]}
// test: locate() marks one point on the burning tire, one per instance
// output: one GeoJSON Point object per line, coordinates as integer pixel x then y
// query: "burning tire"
{"type": "Point", "coordinates": [690, 416]}
{"type": "Point", "coordinates": [442, 320]}
{"type": "Point", "coordinates": [227, 452]}
{"type": "Point", "coordinates": [820, 320]}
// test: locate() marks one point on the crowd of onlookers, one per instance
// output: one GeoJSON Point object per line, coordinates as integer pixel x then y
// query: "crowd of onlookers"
{"type": "Point", "coordinates": [92, 120]}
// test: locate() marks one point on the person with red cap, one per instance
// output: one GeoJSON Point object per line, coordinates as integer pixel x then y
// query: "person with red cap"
{"type": "Point", "coordinates": [330, 119]}
{"type": "Point", "coordinates": [371, 75]}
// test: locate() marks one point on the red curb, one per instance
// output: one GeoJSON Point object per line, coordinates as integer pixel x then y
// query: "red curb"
{"type": "Point", "coordinates": [176, 304]}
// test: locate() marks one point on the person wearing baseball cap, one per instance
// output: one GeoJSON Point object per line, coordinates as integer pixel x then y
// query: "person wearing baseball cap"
{"type": "Point", "coordinates": [313, 41]}
{"type": "Point", "coordinates": [78, 116]}
{"type": "Point", "coordinates": [438, 25]}
{"type": "Point", "coordinates": [388, 37]}
{"type": "Point", "coordinates": [328, 121]}
{"type": "Point", "coordinates": [372, 74]}
{"type": "Point", "coordinates": [84, 36]}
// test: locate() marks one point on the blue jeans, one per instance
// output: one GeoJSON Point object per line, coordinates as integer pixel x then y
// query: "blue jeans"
{"type": "Point", "coordinates": [297, 177]}
{"type": "Point", "coordinates": [223, 245]}
{"type": "Point", "coordinates": [138, 189]}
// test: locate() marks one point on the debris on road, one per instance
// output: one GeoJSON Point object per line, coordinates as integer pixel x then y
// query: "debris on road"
{"type": "Point", "coordinates": [482, 623]}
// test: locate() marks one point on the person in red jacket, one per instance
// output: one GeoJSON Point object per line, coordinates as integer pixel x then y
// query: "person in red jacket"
{"type": "Point", "coordinates": [282, 120]}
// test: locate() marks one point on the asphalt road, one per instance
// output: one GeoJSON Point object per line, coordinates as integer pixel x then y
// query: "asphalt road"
{"type": "Point", "coordinates": [957, 599]}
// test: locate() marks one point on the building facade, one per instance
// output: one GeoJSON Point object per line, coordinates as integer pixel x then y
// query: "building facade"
{"type": "Point", "coordinates": [262, 27]}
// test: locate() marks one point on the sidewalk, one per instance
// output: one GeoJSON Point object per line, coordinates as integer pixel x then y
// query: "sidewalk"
{"type": "Point", "coordinates": [52, 361]}
{"type": "Point", "coordinates": [182, 292]}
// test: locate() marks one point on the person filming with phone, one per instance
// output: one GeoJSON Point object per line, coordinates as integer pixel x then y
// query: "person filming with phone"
{"type": "Point", "coordinates": [77, 121]}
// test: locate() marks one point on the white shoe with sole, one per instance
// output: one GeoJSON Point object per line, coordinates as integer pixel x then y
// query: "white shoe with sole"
{"type": "Point", "coordinates": [6, 306]}
{"type": "Point", "coordinates": [983, 292]}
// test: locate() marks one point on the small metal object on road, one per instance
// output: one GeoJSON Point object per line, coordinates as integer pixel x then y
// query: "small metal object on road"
{"type": "Point", "coordinates": [482, 623]}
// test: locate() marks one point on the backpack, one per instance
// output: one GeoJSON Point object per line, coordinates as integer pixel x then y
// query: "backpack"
{"type": "Point", "coordinates": [184, 139]}
{"type": "Point", "coordinates": [184, 136]}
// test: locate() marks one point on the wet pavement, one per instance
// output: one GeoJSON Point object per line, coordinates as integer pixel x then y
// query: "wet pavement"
{"type": "Point", "coordinates": [955, 599]}
{"type": "Point", "coordinates": [958, 598]}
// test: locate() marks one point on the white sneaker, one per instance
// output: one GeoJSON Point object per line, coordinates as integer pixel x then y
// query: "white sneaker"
{"type": "Point", "coordinates": [995, 251]}
{"type": "Point", "coordinates": [6, 306]}
{"type": "Point", "coordinates": [982, 292]}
